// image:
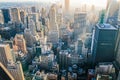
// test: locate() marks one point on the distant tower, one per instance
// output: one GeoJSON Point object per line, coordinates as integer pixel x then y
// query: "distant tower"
{"type": "Point", "coordinates": [6, 15]}
{"type": "Point", "coordinates": [33, 9]}
{"type": "Point", "coordinates": [60, 16]}
{"type": "Point", "coordinates": [16, 70]}
{"type": "Point", "coordinates": [22, 16]}
{"type": "Point", "coordinates": [5, 54]}
{"type": "Point", "coordinates": [119, 14]}
{"type": "Point", "coordinates": [15, 15]}
{"type": "Point", "coordinates": [80, 19]}
{"type": "Point", "coordinates": [43, 15]}
{"type": "Point", "coordinates": [43, 12]}
{"type": "Point", "coordinates": [67, 5]}
{"type": "Point", "coordinates": [33, 16]}
{"type": "Point", "coordinates": [112, 12]}
{"type": "Point", "coordinates": [5, 74]}
{"type": "Point", "coordinates": [53, 34]}
{"type": "Point", "coordinates": [52, 16]}
{"type": "Point", "coordinates": [108, 4]}
{"type": "Point", "coordinates": [103, 43]}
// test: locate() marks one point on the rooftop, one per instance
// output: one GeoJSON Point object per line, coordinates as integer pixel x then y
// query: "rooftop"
{"type": "Point", "coordinates": [106, 26]}
{"type": "Point", "coordinates": [3, 45]}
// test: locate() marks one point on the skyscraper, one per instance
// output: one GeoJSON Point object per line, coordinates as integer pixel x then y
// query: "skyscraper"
{"type": "Point", "coordinates": [119, 14]}
{"type": "Point", "coordinates": [22, 16]}
{"type": "Point", "coordinates": [63, 59]}
{"type": "Point", "coordinates": [1, 18]}
{"type": "Point", "coordinates": [33, 9]}
{"type": "Point", "coordinates": [5, 75]}
{"type": "Point", "coordinates": [112, 12]}
{"type": "Point", "coordinates": [43, 15]}
{"type": "Point", "coordinates": [16, 70]}
{"type": "Point", "coordinates": [32, 27]}
{"type": "Point", "coordinates": [67, 5]}
{"type": "Point", "coordinates": [52, 16]}
{"type": "Point", "coordinates": [53, 34]}
{"type": "Point", "coordinates": [5, 54]}
{"type": "Point", "coordinates": [60, 16]}
{"type": "Point", "coordinates": [117, 51]}
{"type": "Point", "coordinates": [79, 46]}
{"type": "Point", "coordinates": [80, 19]}
{"type": "Point", "coordinates": [43, 12]}
{"type": "Point", "coordinates": [20, 43]}
{"type": "Point", "coordinates": [103, 43]}
{"type": "Point", "coordinates": [15, 15]}
{"type": "Point", "coordinates": [33, 16]}
{"type": "Point", "coordinates": [108, 4]}
{"type": "Point", "coordinates": [6, 15]}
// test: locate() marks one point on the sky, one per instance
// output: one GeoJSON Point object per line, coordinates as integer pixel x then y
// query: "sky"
{"type": "Point", "coordinates": [101, 3]}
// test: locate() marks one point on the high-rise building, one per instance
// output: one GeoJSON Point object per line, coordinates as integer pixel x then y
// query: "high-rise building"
{"type": "Point", "coordinates": [53, 34]}
{"type": "Point", "coordinates": [108, 4]}
{"type": "Point", "coordinates": [63, 59]}
{"type": "Point", "coordinates": [6, 15]}
{"type": "Point", "coordinates": [28, 37]}
{"type": "Point", "coordinates": [105, 71]}
{"type": "Point", "coordinates": [32, 27]}
{"type": "Point", "coordinates": [52, 18]}
{"type": "Point", "coordinates": [112, 12]}
{"type": "Point", "coordinates": [43, 15]}
{"type": "Point", "coordinates": [103, 43]}
{"type": "Point", "coordinates": [60, 16]}
{"type": "Point", "coordinates": [5, 75]}
{"type": "Point", "coordinates": [119, 14]}
{"type": "Point", "coordinates": [117, 49]}
{"type": "Point", "coordinates": [80, 19]}
{"type": "Point", "coordinates": [1, 18]}
{"type": "Point", "coordinates": [5, 54]}
{"type": "Point", "coordinates": [22, 16]}
{"type": "Point", "coordinates": [79, 46]}
{"type": "Point", "coordinates": [15, 15]}
{"type": "Point", "coordinates": [38, 49]}
{"type": "Point", "coordinates": [67, 5]}
{"type": "Point", "coordinates": [33, 16]}
{"type": "Point", "coordinates": [20, 43]}
{"type": "Point", "coordinates": [43, 12]}
{"type": "Point", "coordinates": [16, 70]}
{"type": "Point", "coordinates": [33, 9]}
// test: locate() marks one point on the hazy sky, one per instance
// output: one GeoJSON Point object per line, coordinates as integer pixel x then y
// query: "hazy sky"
{"type": "Point", "coordinates": [72, 2]}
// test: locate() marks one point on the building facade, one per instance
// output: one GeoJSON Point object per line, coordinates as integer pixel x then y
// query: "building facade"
{"type": "Point", "coordinates": [103, 43]}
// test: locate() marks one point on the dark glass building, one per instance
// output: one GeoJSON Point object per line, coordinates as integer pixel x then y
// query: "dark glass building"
{"type": "Point", "coordinates": [6, 15]}
{"type": "Point", "coordinates": [103, 43]}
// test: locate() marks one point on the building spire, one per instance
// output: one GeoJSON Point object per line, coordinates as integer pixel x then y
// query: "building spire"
{"type": "Point", "coordinates": [102, 17]}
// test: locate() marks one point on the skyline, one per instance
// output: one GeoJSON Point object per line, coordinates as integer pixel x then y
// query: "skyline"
{"type": "Point", "coordinates": [73, 3]}
{"type": "Point", "coordinates": [60, 39]}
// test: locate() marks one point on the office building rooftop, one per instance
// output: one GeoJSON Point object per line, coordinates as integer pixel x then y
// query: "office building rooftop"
{"type": "Point", "coordinates": [106, 26]}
